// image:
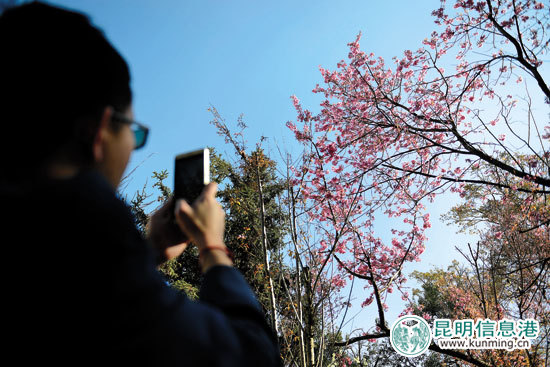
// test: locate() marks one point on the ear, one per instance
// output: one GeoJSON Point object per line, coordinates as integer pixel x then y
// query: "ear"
{"type": "Point", "coordinates": [101, 133]}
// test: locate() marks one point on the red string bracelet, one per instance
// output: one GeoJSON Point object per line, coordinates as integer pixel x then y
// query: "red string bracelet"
{"type": "Point", "coordinates": [223, 248]}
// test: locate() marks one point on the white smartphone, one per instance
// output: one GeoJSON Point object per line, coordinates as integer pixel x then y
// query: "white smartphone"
{"type": "Point", "coordinates": [191, 174]}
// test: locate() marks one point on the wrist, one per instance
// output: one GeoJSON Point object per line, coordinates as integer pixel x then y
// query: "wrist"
{"type": "Point", "coordinates": [221, 247]}
{"type": "Point", "coordinates": [212, 255]}
{"type": "Point", "coordinates": [205, 241]}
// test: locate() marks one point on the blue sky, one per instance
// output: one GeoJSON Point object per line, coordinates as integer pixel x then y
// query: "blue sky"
{"type": "Point", "coordinates": [248, 57]}
{"type": "Point", "coordinates": [241, 57]}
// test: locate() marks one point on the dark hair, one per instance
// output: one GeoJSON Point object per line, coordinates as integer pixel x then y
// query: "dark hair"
{"type": "Point", "coordinates": [57, 74]}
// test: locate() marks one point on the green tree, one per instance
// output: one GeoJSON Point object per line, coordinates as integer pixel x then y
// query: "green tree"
{"type": "Point", "coordinates": [240, 196]}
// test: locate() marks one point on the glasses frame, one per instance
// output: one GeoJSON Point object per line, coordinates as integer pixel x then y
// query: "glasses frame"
{"type": "Point", "coordinates": [123, 118]}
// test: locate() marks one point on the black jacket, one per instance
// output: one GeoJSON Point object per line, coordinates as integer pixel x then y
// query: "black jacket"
{"type": "Point", "coordinates": [83, 288]}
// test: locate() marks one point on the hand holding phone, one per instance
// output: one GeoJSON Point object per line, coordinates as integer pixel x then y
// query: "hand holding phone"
{"type": "Point", "coordinates": [191, 175]}
{"type": "Point", "coordinates": [200, 217]}
{"type": "Point", "coordinates": [204, 222]}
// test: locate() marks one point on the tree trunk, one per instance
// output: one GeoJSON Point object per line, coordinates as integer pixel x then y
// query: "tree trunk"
{"type": "Point", "coordinates": [273, 313]}
{"type": "Point", "coordinates": [299, 303]}
{"type": "Point", "coordinates": [309, 340]}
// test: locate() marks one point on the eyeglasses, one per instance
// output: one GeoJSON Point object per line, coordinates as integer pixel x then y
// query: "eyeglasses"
{"type": "Point", "coordinates": [140, 131]}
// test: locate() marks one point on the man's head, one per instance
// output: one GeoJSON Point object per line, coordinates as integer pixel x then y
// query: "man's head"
{"type": "Point", "coordinates": [61, 81]}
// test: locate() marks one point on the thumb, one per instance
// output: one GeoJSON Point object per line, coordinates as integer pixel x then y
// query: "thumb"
{"type": "Point", "coordinates": [184, 214]}
{"type": "Point", "coordinates": [182, 207]}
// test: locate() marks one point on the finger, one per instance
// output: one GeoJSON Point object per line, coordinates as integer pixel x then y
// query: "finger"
{"type": "Point", "coordinates": [184, 214]}
{"type": "Point", "coordinates": [183, 208]}
{"type": "Point", "coordinates": [210, 190]}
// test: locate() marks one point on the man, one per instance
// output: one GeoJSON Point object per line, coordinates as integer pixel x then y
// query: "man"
{"type": "Point", "coordinates": [84, 289]}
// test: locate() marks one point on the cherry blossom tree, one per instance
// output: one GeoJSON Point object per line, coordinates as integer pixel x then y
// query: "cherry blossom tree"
{"type": "Point", "coordinates": [467, 108]}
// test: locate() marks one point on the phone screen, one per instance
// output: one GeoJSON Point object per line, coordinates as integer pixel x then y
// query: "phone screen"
{"type": "Point", "coordinates": [191, 174]}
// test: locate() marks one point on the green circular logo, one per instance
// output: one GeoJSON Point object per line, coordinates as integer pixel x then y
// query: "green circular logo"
{"type": "Point", "coordinates": [410, 336]}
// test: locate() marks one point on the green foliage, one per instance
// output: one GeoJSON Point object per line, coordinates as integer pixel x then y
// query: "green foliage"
{"type": "Point", "coordinates": [240, 198]}
{"type": "Point", "coordinates": [159, 184]}
{"type": "Point", "coordinates": [138, 205]}
{"type": "Point", "coordinates": [140, 201]}
{"type": "Point", "coordinates": [183, 272]}
{"type": "Point", "coordinates": [433, 298]}
{"type": "Point", "coordinates": [467, 216]}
